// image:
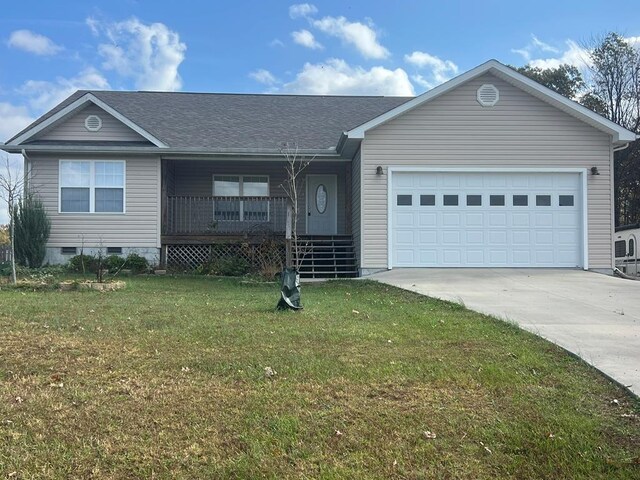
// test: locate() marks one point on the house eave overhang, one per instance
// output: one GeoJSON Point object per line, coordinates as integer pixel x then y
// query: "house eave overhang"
{"type": "Point", "coordinates": [169, 153]}
{"type": "Point", "coordinates": [25, 136]}
{"type": "Point", "coordinates": [619, 134]}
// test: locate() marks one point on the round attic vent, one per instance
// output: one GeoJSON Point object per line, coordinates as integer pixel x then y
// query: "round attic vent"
{"type": "Point", "coordinates": [93, 123]}
{"type": "Point", "coordinates": [488, 95]}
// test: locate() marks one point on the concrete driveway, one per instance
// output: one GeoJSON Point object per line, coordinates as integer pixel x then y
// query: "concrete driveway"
{"type": "Point", "coordinates": [592, 315]}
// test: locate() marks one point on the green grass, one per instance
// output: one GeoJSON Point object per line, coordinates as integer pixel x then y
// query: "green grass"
{"type": "Point", "coordinates": [165, 379]}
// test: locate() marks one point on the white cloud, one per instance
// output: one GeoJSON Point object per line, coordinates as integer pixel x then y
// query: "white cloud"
{"type": "Point", "coordinates": [263, 76]}
{"type": "Point", "coordinates": [535, 45]}
{"type": "Point", "coordinates": [276, 42]}
{"type": "Point", "coordinates": [363, 37]}
{"type": "Point", "coordinates": [439, 70]}
{"type": "Point", "coordinates": [336, 77]}
{"type": "Point", "coordinates": [633, 41]}
{"type": "Point", "coordinates": [303, 10]}
{"type": "Point", "coordinates": [149, 54]}
{"type": "Point", "coordinates": [306, 39]}
{"type": "Point", "coordinates": [573, 54]}
{"type": "Point", "coordinates": [14, 118]}
{"type": "Point", "coordinates": [33, 43]}
{"type": "Point", "coordinates": [534, 54]}
{"type": "Point", "coordinates": [44, 95]}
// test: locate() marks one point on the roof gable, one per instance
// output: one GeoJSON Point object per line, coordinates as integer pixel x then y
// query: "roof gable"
{"type": "Point", "coordinates": [74, 128]}
{"type": "Point", "coordinates": [56, 120]}
{"type": "Point", "coordinates": [619, 134]}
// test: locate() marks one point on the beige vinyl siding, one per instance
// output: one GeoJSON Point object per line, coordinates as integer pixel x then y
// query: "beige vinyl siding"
{"type": "Point", "coordinates": [356, 205]}
{"type": "Point", "coordinates": [454, 130]}
{"type": "Point", "coordinates": [196, 178]}
{"type": "Point", "coordinates": [73, 129]}
{"type": "Point", "coordinates": [138, 227]}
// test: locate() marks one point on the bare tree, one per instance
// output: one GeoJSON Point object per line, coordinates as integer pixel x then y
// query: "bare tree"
{"type": "Point", "coordinates": [614, 79]}
{"type": "Point", "coordinates": [295, 164]}
{"type": "Point", "coordinates": [11, 186]}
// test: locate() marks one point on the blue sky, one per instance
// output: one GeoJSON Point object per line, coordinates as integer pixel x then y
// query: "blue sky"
{"type": "Point", "coordinates": [49, 49]}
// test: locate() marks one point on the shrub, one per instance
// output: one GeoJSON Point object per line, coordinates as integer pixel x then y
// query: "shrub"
{"type": "Point", "coordinates": [83, 264]}
{"type": "Point", "coordinates": [32, 227]}
{"type": "Point", "coordinates": [137, 263]}
{"type": "Point", "coordinates": [114, 263]}
{"type": "Point", "coordinates": [5, 269]}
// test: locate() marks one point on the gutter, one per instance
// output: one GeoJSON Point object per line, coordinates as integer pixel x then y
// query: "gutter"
{"type": "Point", "coordinates": [164, 152]}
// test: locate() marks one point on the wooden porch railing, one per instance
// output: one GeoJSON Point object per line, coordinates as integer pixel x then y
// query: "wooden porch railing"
{"type": "Point", "coordinates": [209, 215]}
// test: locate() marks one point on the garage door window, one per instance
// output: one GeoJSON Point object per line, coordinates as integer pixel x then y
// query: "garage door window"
{"type": "Point", "coordinates": [450, 200]}
{"type": "Point", "coordinates": [427, 200]}
{"type": "Point", "coordinates": [474, 200]}
{"type": "Point", "coordinates": [404, 200]}
{"type": "Point", "coordinates": [543, 200]}
{"type": "Point", "coordinates": [566, 200]}
{"type": "Point", "coordinates": [520, 200]}
{"type": "Point", "coordinates": [496, 200]}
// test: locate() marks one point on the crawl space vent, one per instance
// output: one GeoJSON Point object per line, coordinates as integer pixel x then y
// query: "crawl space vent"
{"type": "Point", "coordinates": [488, 95]}
{"type": "Point", "coordinates": [93, 123]}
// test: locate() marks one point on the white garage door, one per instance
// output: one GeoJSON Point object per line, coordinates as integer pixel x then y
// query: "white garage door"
{"type": "Point", "coordinates": [486, 220]}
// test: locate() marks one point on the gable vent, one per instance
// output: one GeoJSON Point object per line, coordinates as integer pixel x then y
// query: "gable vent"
{"type": "Point", "coordinates": [93, 123]}
{"type": "Point", "coordinates": [488, 95]}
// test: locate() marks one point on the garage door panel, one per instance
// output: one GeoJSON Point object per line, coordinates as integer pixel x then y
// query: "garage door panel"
{"type": "Point", "coordinates": [474, 237]}
{"type": "Point", "coordinates": [474, 219]}
{"type": "Point", "coordinates": [451, 219]}
{"type": "Point", "coordinates": [447, 219]}
{"type": "Point", "coordinates": [405, 237]}
{"type": "Point", "coordinates": [427, 219]}
{"type": "Point", "coordinates": [497, 237]}
{"type": "Point", "coordinates": [451, 256]}
{"type": "Point", "coordinates": [521, 257]}
{"type": "Point", "coordinates": [497, 257]}
{"type": "Point", "coordinates": [544, 237]}
{"type": "Point", "coordinates": [567, 220]}
{"type": "Point", "coordinates": [520, 237]}
{"type": "Point", "coordinates": [405, 256]}
{"type": "Point", "coordinates": [428, 237]}
{"type": "Point", "coordinates": [451, 237]}
{"type": "Point", "coordinates": [428, 257]}
{"type": "Point", "coordinates": [475, 257]}
{"type": "Point", "coordinates": [520, 219]}
{"type": "Point", "coordinates": [406, 219]}
{"type": "Point", "coordinates": [497, 219]}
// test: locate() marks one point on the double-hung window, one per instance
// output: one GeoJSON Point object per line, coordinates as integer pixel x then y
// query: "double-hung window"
{"type": "Point", "coordinates": [92, 186]}
{"type": "Point", "coordinates": [244, 198]}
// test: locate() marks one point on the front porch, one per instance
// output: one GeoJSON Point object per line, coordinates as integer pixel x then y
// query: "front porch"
{"type": "Point", "coordinates": [214, 209]}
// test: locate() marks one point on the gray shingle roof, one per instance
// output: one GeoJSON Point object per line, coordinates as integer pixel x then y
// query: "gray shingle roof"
{"type": "Point", "coordinates": [210, 121]}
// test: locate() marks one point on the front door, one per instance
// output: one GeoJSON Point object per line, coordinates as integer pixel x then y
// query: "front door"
{"type": "Point", "coordinates": [322, 205]}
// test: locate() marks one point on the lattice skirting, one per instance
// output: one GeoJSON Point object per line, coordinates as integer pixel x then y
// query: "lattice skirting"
{"type": "Point", "coordinates": [190, 257]}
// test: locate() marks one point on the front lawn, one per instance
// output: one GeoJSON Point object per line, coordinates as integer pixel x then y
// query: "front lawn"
{"type": "Point", "coordinates": [166, 379]}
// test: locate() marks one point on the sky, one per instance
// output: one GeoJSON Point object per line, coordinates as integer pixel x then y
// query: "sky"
{"type": "Point", "coordinates": [404, 47]}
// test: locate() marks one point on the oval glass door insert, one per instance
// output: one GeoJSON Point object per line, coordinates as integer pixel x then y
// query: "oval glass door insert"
{"type": "Point", "coordinates": [321, 198]}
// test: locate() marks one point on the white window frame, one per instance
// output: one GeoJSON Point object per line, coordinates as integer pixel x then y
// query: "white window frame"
{"type": "Point", "coordinates": [241, 195]}
{"type": "Point", "coordinates": [92, 186]}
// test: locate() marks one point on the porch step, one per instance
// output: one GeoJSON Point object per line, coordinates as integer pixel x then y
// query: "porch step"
{"type": "Point", "coordinates": [330, 256]}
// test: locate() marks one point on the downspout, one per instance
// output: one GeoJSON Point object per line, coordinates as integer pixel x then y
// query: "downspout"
{"type": "Point", "coordinates": [27, 171]}
{"type": "Point", "coordinates": [620, 147]}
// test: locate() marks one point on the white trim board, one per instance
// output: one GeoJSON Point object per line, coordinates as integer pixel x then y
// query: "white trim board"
{"type": "Point", "coordinates": [583, 192]}
{"type": "Point", "coordinates": [73, 107]}
{"type": "Point", "coordinates": [620, 135]}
